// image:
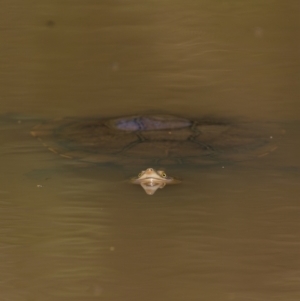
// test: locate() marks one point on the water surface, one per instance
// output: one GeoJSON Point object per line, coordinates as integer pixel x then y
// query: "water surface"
{"type": "Point", "coordinates": [81, 232]}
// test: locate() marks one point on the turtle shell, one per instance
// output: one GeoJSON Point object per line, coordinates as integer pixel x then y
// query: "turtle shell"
{"type": "Point", "coordinates": [155, 139]}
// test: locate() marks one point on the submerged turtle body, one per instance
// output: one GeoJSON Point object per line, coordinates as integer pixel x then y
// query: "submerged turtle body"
{"type": "Point", "coordinates": [155, 139]}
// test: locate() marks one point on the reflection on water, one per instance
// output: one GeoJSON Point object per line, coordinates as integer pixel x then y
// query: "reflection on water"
{"type": "Point", "coordinates": [73, 232]}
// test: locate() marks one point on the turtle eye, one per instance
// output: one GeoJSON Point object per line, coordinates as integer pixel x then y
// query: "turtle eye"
{"type": "Point", "coordinates": [163, 174]}
{"type": "Point", "coordinates": [140, 174]}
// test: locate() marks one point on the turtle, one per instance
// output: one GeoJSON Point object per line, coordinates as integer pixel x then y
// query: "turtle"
{"type": "Point", "coordinates": [156, 139]}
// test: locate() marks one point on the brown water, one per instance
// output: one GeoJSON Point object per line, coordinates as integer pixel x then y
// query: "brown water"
{"type": "Point", "coordinates": [71, 232]}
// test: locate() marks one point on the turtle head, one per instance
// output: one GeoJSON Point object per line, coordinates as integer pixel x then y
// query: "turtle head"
{"type": "Point", "coordinates": [151, 179]}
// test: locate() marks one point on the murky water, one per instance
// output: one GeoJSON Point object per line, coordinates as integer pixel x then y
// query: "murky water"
{"type": "Point", "coordinates": [81, 232]}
